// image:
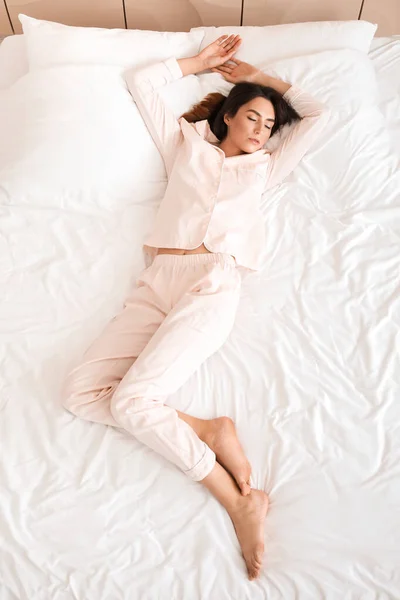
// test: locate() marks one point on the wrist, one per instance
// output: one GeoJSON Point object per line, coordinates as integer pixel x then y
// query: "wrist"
{"type": "Point", "coordinates": [277, 84]}
{"type": "Point", "coordinates": [191, 65]}
{"type": "Point", "coordinates": [262, 78]}
{"type": "Point", "coordinates": [200, 64]}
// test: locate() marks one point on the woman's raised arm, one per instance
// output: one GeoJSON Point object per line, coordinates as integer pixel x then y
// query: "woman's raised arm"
{"type": "Point", "coordinates": [144, 85]}
{"type": "Point", "coordinates": [302, 134]}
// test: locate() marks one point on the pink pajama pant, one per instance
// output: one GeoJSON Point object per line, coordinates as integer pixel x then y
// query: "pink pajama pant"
{"type": "Point", "coordinates": [180, 313]}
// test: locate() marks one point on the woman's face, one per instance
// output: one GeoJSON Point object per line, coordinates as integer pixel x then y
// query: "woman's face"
{"type": "Point", "coordinates": [254, 119]}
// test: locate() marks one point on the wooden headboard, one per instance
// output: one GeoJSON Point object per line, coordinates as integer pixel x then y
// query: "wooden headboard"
{"type": "Point", "coordinates": [161, 15]}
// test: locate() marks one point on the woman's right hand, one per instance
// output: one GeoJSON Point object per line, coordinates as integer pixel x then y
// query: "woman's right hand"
{"type": "Point", "coordinates": [238, 71]}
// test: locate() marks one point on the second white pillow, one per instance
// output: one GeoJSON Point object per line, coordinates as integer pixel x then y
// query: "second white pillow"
{"type": "Point", "coordinates": [275, 42]}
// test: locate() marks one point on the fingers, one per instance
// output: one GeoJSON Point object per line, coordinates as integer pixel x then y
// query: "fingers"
{"type": "Point", "coordinates": [224, 68]}
{"type": "Point", "coordinates": [229, 42]}
{"type": "Point", "coordinates": [223, 75]}
{"type": "Point", "coordinates": [234, 46]}
{"type": "Point", "coordinates": [223, 38]}
{"type": "Point", "coordinates": [230, 53]}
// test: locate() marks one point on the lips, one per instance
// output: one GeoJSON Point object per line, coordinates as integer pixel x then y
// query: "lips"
{"type": "Point", "coordinates": [254, 141]}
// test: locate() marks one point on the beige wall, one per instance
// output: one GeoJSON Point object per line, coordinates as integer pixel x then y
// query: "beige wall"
{"type": "Point", "coordinates": [384, 12]}
{"type": "Point", "coordinates": [86, 13]}
{"type": "Point", "coordinates": [181, 15]}
{"type": "Point", "coordinates": [5, 27]}
{"type": "Point", "coordinates": [275, 12]}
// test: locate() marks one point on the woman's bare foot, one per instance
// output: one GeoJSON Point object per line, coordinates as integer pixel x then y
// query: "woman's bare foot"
{"type": "Point", "coordinates": [248, 519]}
{"type": "Point", "coordinates": [220, 435]}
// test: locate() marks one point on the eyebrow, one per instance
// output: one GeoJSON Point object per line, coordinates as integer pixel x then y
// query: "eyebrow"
{"type": "Point", "coordinates": [257, 113]}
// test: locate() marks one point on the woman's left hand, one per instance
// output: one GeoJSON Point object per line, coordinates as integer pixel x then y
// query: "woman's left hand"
{"type": "Point", "coordinates": [238, 71]}
{"type": "Point", "coordinates": [220, 51]}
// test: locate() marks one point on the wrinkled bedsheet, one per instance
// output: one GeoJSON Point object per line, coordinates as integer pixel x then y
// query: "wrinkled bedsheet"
{"type": "Point", "coordinates": [310, 374]}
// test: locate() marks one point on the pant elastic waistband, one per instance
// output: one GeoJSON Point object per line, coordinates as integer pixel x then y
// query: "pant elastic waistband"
{"type": "Point", "coordinates": [195, 259]}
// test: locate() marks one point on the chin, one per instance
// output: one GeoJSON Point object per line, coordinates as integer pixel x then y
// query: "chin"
{"type": "Point", "coordinates": [249, 148]}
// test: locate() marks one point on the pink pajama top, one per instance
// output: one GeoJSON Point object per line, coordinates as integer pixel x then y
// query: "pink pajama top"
{"type": "Point", "coordinates": [211, 198]}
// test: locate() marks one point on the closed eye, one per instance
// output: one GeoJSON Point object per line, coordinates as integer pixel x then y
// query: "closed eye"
{"type": "Point", "coordinates": [254, 120]}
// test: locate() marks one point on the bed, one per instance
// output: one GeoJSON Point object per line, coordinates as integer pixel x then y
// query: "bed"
{"type": "Point", "coordinates": [310, 374]}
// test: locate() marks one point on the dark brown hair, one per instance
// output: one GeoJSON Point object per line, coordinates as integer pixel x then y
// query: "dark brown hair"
{"type": "Point", "coordinates": [215, 105]}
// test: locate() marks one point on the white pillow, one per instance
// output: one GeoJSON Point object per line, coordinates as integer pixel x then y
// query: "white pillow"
{"type": "Point", "coordinates": [49, 44]}
{"type": "Point", "coordinates": [343, 79]}
{"type": "Point", "coordinates": [73, 138]}
{"type": "Point", "coordinates": [274, 42]}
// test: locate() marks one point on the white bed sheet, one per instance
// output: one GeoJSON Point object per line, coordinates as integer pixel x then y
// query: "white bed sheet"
{"type": "Point", "coordinates": [89, 513]}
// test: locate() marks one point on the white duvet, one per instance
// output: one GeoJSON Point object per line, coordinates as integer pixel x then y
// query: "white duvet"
{"type": "Point", "coordinates": [310, 372]}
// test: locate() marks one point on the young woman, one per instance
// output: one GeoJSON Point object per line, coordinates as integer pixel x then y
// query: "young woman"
{"type": "Point", "coordinates": [183, 308]}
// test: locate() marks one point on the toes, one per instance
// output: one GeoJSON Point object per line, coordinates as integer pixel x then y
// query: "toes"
{"type": "Point", "coordinates": [254, 573]}
{"type": "Point", "coordinates": [244, 488]}
{"type": "Point", "coordinates": [244, 482]}
{"type": "Point", "coordinates": [248, 473]}
{"type": "Point", "coordinates": [254, 567]}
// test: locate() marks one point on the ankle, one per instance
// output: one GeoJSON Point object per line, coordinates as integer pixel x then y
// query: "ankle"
{"type": "Point", "coordinates": [222, 485]}
{"type": "Point", "coordinates": [217, 430]}
{"type": "Point", "coordinates": [237, 504]}
{"type": "Point", "coordinates": [209, 431]}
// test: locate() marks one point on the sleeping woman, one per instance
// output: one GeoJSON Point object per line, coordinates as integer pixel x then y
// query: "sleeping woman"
{"type": "Point", "coordinates": [183, 306]}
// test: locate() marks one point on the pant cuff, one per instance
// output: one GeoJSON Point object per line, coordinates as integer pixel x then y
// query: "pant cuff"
{"type": "Point", "coordinates": [204, 466]}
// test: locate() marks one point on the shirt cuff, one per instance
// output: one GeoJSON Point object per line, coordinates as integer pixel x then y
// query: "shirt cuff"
{"type": "Point", "coordinates": [292, 92]}
{"type": "Point", "coordinates": [304, 103]}
{"type": "Point", "coordinates": [173, 67]}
